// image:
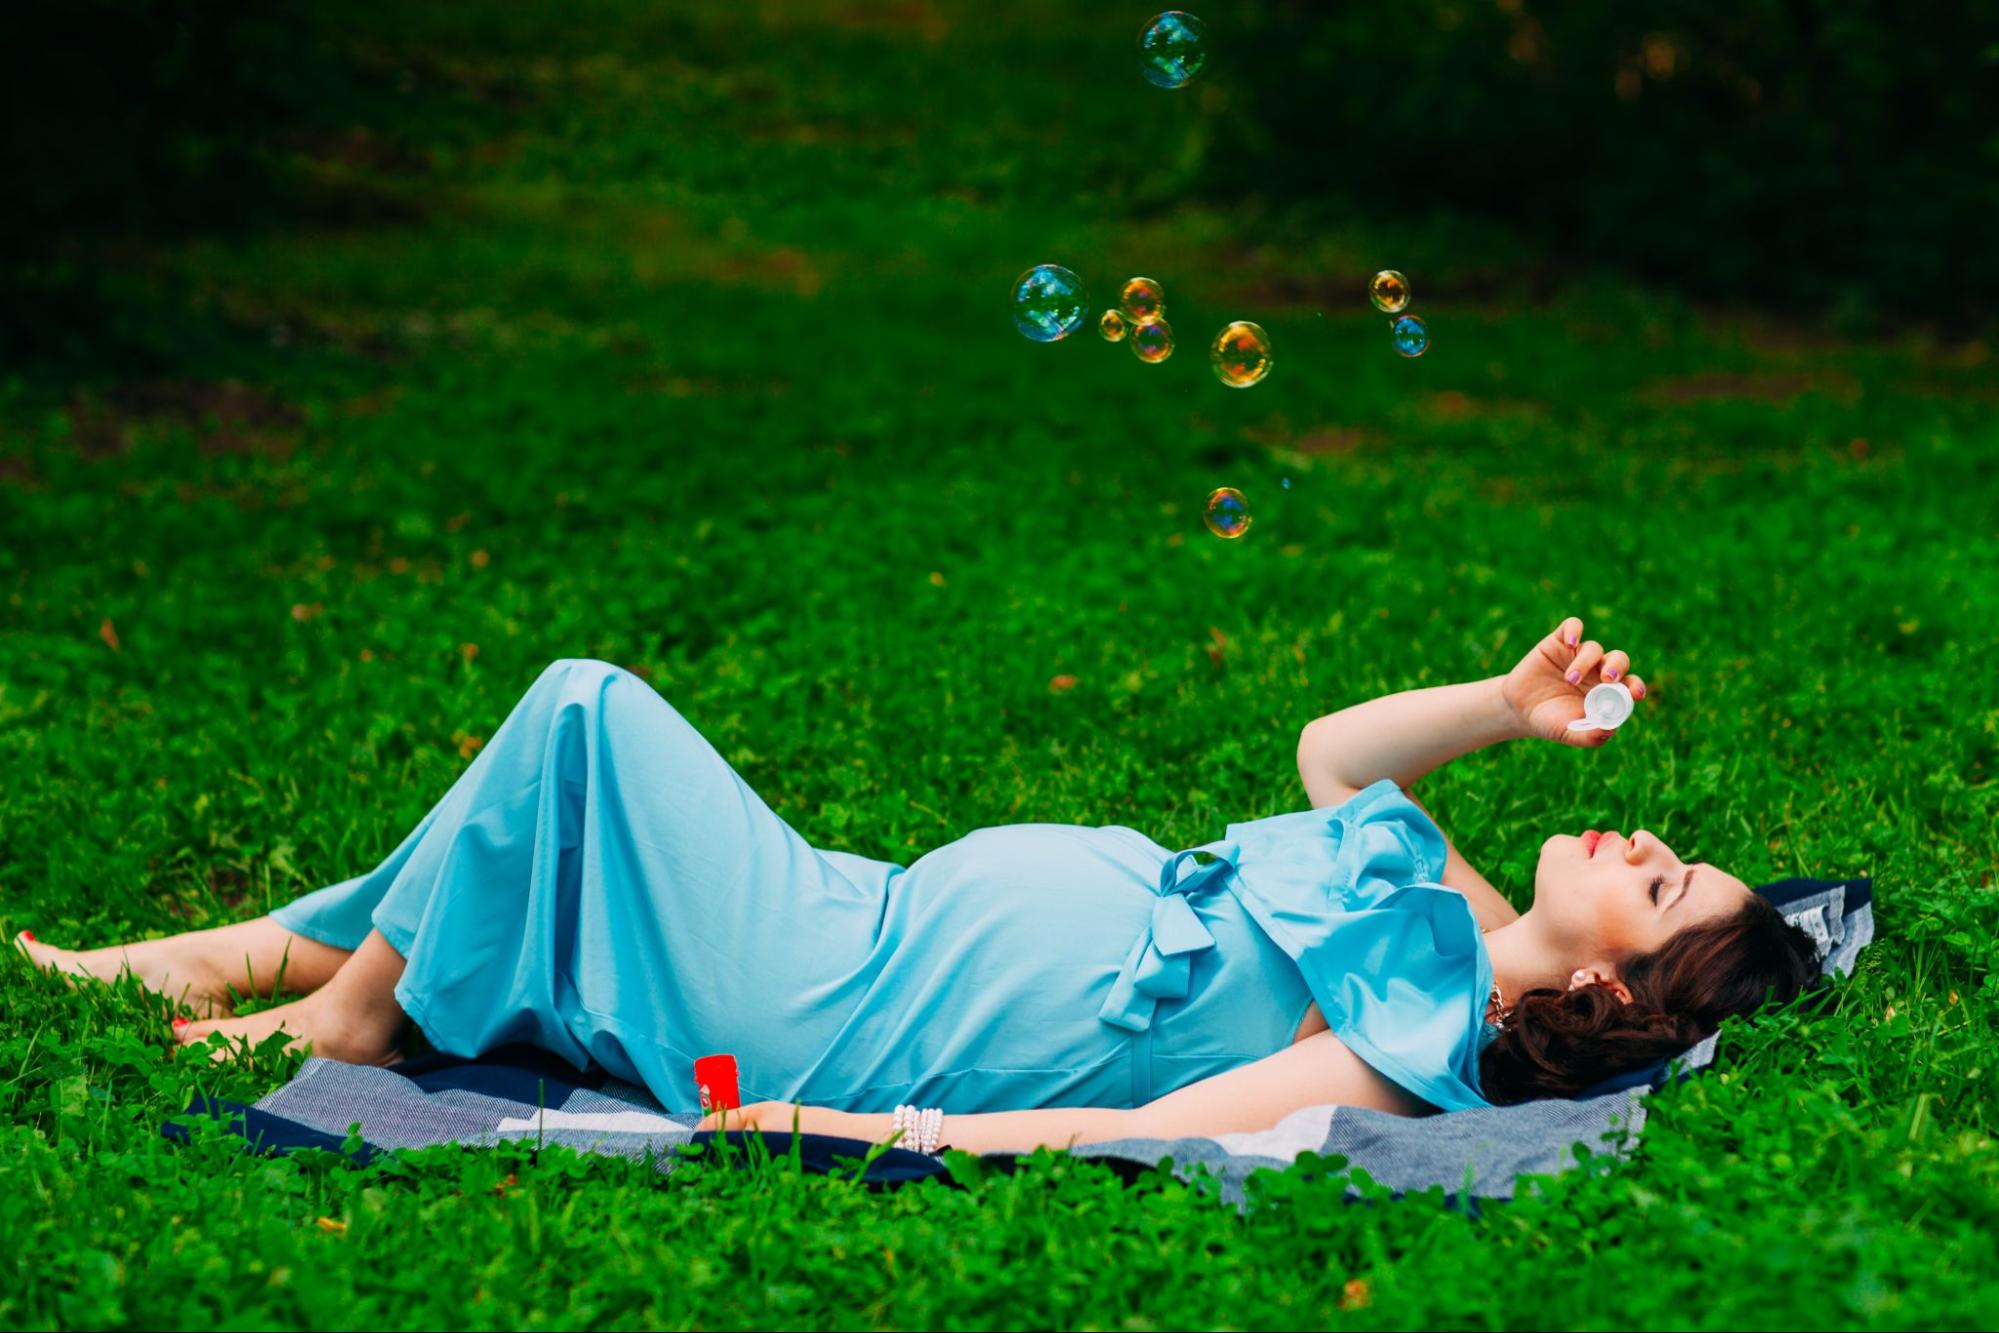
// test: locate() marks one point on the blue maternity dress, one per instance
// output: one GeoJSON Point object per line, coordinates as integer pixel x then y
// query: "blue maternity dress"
{"type": "Point", "coordinates": [600, 882]}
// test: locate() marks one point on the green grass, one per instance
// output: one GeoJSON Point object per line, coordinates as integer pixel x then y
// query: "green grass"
{"type": "Point", "coordinates": [697, 361]}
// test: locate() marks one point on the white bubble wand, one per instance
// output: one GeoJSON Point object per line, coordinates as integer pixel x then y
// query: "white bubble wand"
{"type": "Point", "coordinates": [1605, 708]}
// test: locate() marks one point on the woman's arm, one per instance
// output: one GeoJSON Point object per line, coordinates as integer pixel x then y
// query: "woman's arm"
{"type": "Point", "coordinates": [1317, 1071]}
{"type": "Point", "coordinates": [1435, 726]}
{"type": "Point", "coordinates": [1404, 736]}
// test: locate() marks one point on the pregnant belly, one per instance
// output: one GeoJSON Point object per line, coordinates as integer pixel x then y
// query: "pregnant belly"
{"type": "Point", "coordinates": [1039, 913]}
{"type": "Point", "coordinates": [1046, 915]}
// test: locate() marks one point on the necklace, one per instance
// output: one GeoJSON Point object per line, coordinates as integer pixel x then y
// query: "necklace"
{"type": "Point", "coordinates": [1495, 1007]}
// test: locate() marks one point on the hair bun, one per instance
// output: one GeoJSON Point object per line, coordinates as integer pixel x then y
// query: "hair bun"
{"type": "Point", "coordinates": [1557, 1043]}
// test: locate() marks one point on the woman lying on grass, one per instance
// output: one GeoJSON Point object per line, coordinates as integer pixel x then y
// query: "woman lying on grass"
{"type": "Point", "coordinates": [601, 883]}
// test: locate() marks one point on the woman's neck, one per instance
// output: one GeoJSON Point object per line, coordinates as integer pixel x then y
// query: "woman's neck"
{"type": "Point", "coordinates": [1522, 960]}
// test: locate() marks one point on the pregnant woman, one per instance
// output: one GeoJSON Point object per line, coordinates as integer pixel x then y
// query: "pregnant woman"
{"type": "Point", "coordinates": [601, 883]}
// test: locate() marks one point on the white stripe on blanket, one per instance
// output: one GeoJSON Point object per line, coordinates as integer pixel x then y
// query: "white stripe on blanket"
{"type": "Point", "coordinates": [1303, 1130]}
{"type": "Point", "coordinates": [607, 1122]}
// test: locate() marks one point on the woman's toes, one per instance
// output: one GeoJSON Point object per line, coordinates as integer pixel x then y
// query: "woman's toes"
{"type": "Point", "coordinates": [192, 1032]}
{"type": "Point", "coordinates": [248, 1031]}
{"type": "Point", "coordinates": [47, 956]}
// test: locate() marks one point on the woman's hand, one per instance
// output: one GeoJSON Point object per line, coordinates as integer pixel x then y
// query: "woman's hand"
{"type": "Point", "coordinates": [780, 1117]}
{"type": "Point", "coordinates": [774, 1117]}
{"type": "Point", "coordinates": [1546, 689]}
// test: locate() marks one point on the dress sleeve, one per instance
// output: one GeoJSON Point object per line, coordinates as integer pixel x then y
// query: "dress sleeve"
{"type": "Point", "coordinates": [1394, 959]}
{"type": "Point", "coordinates": [1403, 984]}
{"type": "Point", "coordinates": [1386, 843]}
{"type": "Point", "coordinates": [1401, 973]}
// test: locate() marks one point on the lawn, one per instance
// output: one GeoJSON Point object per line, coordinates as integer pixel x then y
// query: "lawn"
{"type": "Point", "coordinates": [682, 342]}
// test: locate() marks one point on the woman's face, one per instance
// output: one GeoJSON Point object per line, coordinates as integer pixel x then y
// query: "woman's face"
{"type": "Point", "coordinates": [1609, 897]}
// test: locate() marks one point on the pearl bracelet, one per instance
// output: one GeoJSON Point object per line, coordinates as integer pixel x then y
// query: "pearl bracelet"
{"type": "Point", "coordinates": [921, 1128]}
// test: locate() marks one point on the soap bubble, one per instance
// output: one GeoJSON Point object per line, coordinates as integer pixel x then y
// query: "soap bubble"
{"type": "Point", "coordinates": [1111, 324]}
{"type": "Point", "coordinates": [1389, 291]}
{"type": "Point", "coordinates": [1172, 49]}
{"type": "Point", "coordinates": [1240, 354]}
{"type": "Point", "coordinates": [1411, 334]}
{"type": "Point", "coordinates": [1142, 300]}
{"type": "Point", "coordinates": [1048, 303]}
{"type": "Point", "coordinates": [1227, 514]}
{"type": "Point", "coordinates": [1152, 343]}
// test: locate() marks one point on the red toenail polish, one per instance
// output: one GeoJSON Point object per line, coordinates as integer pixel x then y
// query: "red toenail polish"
{"type": "Point", "coordinates": [179, 1023]}
{"type": "Point", "coordinates": [28, 935]}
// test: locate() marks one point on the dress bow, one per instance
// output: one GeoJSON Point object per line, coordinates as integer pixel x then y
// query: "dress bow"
{"type": "Point", "coordinates": [1160, 965]}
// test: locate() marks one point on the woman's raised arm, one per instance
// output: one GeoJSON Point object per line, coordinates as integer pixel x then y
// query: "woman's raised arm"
{"type": "Point", "coordinates": [1403, 736]}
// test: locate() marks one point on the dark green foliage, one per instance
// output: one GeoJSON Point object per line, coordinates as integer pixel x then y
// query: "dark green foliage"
{"type": "Point", "coordinates": [1829, 156]}
{"type": "Point", "coordinates": [151, 118]}
{"type": "Point", "coordinates": [695, 358]}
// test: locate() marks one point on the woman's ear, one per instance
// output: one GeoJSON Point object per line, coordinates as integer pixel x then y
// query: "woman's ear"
{"type": "Point", "coordinates": [1589, 976]}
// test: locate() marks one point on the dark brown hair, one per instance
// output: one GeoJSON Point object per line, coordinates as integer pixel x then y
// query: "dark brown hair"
{"type": "Point", "coordinates": [1557, 1043]}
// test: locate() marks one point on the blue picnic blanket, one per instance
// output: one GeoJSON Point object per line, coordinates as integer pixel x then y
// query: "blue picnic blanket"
{"type": "Point", "coordinates": [521, 1094]}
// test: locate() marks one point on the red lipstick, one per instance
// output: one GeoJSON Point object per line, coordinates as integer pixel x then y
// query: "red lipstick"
{"type": "Point", "coordinates": [1590, 841]}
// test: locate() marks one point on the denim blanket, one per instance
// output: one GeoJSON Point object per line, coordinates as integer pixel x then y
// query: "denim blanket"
{"type": "Point", "coordinates": [521, 1094]}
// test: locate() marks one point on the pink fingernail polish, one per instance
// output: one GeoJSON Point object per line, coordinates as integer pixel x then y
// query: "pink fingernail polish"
{"type": "Point", "coordinates": [1610, 675]}
{"type": "Point", "coordinates": [1575, 677]}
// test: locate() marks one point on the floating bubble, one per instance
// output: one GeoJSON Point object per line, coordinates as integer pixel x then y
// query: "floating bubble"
{"type": "Point", "coordinates": [1240, 354]}
{"type": "Point", "coordinates": [1227, 514]}
{"type": "Point", "coordinates": [1389, 291]}
{"type": "Point", "coordinates": [1048, 303]}
{"type": "Point", "coordinates": [1111, 324]}
{"type": "Point", "coordinates": [1411, 334]}
{"type": "Point", "coordinates": [1152, 343]}
{"type": "Point", "coordinates": [1172, 49]}
{"type": "Point", "coordinates": [1143, 300]}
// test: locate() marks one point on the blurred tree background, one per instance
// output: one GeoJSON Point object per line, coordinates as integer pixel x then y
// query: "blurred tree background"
{"type": "Point", "coordinates": [1828, 156]}
{"type": "Point", "coordinates": [132, 120]}
{"type": "Point", "coordinates": [1838, 159]}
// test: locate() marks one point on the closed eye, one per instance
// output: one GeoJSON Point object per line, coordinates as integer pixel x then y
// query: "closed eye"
{"type": "Point", "coordinates": [1657, 884]}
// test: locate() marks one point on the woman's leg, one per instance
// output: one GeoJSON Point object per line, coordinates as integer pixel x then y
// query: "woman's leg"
{"type": "Point", "coordinates": [599, 882]}
{"type": "Point", "coordinates": [307, 939]}
{"type": "Point", "coordinates": [353, 1017]}
{"type": "Point", "coordinates": [201, 967]}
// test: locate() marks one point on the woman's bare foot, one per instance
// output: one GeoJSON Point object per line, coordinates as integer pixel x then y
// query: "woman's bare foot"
{"type": "Point", "coordinates": [332, 1025]}
{"type": "Point", "coordinates": [175, 971]}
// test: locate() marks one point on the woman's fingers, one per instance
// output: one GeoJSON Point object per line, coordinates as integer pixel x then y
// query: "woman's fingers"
{"type": "Point", "coordinates": [1615, 664]}
{"type": "Point", "coordinates": [1560, 644]}
{"type": "Point", "coordinates": [732, 1117]}
{"type": "Point", "coordinates": [1586, 660]}
{"type": "Point", "coordinates": [1636, 685]}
